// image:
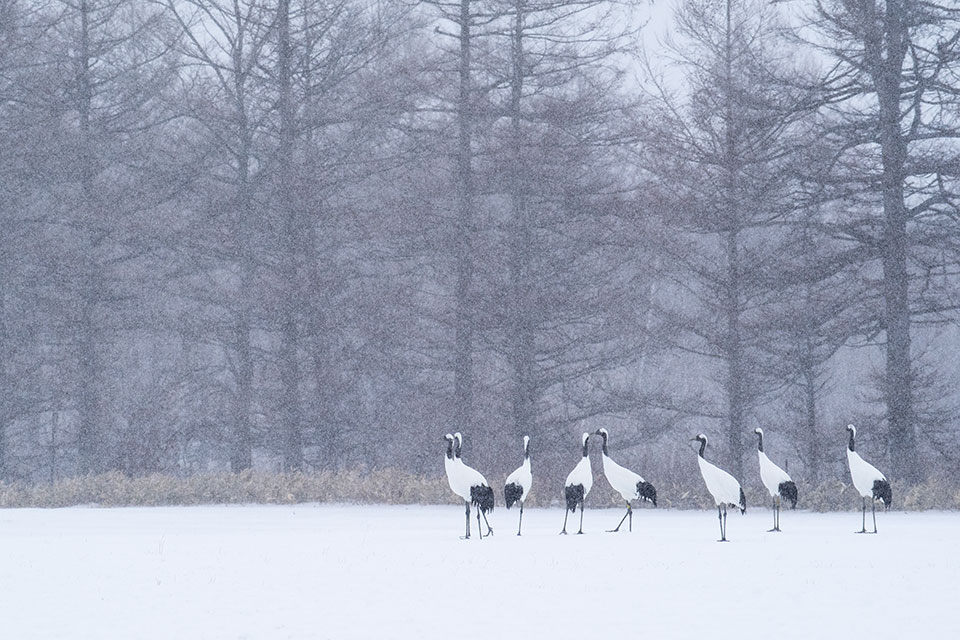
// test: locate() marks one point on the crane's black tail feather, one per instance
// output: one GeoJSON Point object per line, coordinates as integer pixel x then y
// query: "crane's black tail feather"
{"type": "Point", "coordinates": [882, 491]}
{"type": "Point", "coordinates": [743, 502]}
{"type": "Point", "coordinates": [512, 494]}
{"type": "Point", "coordinates": [788, 491]}
{"type": "Point", "coordinates": [481, 496]}
{"type": "Point", "coordinates": [574, 495]}
{"type": "Point", "coordinates": [647, 492]}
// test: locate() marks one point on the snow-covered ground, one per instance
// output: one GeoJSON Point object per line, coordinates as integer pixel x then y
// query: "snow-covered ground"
{"type": "Point", "coordinates": [341, 572]}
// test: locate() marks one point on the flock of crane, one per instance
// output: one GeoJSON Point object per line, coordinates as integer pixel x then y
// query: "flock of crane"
{"type": "Point", "coordinates": [473, 488]}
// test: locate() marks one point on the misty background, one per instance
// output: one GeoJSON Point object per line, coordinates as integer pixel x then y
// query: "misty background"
{"type": "Point", "coordinates": [319, 234]}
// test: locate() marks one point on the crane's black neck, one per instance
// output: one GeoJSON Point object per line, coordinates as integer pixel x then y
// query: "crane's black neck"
{"type": "Point", "coordinates": [450, 449]}
{"type": "Point", "coordinates": [851, 444]}
{"type": "Point", "coordinates": [526, 450]}
{"type": "Point", "coordinates": [760, 443]}
{"type": "Point", "coordinates": [456, 451]}
{"type": "Point", "coordinates": [604, 436]}
{"type": "Point", "coordinates": [703, 446]}
{"type": "Point", "coordinates": [586, 452]}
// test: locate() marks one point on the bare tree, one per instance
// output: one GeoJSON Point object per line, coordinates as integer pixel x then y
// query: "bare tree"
{"type": "Point", "coordinates": [224, 44]}
{"type": "Point", "coordinates": [727, 150]}
{"type": "Point", "coordinates": [892, 100]}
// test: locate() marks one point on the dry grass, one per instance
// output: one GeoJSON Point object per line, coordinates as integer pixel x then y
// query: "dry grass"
{"type": "Point", "coordinates": [116, 490]}
{"type": "Point", "coordinates": [390, 486]}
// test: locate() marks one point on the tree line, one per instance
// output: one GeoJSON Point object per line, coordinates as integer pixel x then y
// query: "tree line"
{"type": "Point", "coordinates": [319, 234]}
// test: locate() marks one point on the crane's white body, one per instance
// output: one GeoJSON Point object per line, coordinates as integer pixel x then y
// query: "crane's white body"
{"type": "Point", "coordinates": [468, 477]}
{"type": "Point", "coordinates": [621, 479]}
{"type": "Point", "coordinates": [722, 486]}
{"type": "Point", "coordinates": [580, 477]}
{"type": "Point", "coordinates": [582, 474]}
{"type": "Point", "coordinates": [771, 475]}
{"type": "Point", "coordinates": [461, 477]}
{"type": "Point", "coordinates": [863, 474]}
{"type": "Point", "coordinates": [517, 486]}
{"type": "Point", "coordinates": [522, 475]}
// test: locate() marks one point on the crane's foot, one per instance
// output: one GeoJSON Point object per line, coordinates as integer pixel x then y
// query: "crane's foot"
{"type": "Point", "coordinates": [774, 529]}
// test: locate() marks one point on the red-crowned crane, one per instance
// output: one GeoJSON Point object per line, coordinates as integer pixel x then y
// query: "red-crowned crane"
{"type": "Point", "coordinates": [517, 486]}
{"type": "Point", "coordinates": [776, 480]}
{"type": "Point", "coordinates": [578, 484]}
{"type": "Point", "coordinates": [630, 485]}
{"type": "Point", "coordinates": [722, 486]}
{"type": "Point", "coordinates": [456, 479]}
{"type": "Point", "coordinates": [868, 481]}
{"type": "Point", "coordinates": [468, 483]}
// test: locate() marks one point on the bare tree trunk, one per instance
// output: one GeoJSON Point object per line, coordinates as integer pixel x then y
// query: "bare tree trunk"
{"type": "Point", "coordinates": [89, 405]}
{"type": "Point", "coordinates": [885, 52]}
{"type": "Point", "coordinates": [464, 322]}
{"type": "Point", "coordinates": [811, 430]}
{"type": "Point", "coordinates": [291, 411]}
{"type": "Point", "coordinates": [6, 380]}
{"type": "Point", "coordinates": [241, 456]}
{"type": "Point", "coordinates": [521, 241]}
{"type": "Point", "coordinates": [734, 348]}
{"type": "Point", "coordinates": [734, 352]}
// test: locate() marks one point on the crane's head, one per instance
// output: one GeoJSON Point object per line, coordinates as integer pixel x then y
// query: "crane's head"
{"type": "Point", "coordinates": [449, 439]}
{"type": "Point", "coordinates": [758, 431]}
{"type": "Point", "coordinates": [584, 438]}
{"type": "Point", "coordinates": [702, 439]}
{"type": "Point", "coordinates": [603, 433]}
{"type": "Point", "coordinates": [852, 429]}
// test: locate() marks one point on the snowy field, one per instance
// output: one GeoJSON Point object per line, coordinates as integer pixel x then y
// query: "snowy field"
{"type": "Point", "coordinates": [327, 571]}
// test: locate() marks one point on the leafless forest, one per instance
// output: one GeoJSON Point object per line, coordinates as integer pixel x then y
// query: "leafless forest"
{"type": "Point", "coordinates": [319, 234]}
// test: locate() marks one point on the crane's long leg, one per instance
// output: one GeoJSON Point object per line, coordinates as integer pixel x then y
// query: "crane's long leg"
{"type": "Point", "coordinates": [520, 526]}
{"type": "Point", "coordinates": [874, 503]}
{"type": "Point", "coordinates": [630, 512]}
{"type": "Point", "coordinates": [723, 537]}
{"type": "Point", "coordinates": [565, 514]}
{"type": "Point", "coordinates": [581, 519]}
{"type": "Point", "coordinates": [467, 535]}
{"type": "Point", "coordinates": [776, 513]}
{"type": "Point", "coordinates": [863, 527]}
{"type": "Point", "coordinates": [621, 521]}
{"type": "Point", "coordinates": [489, 528]}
